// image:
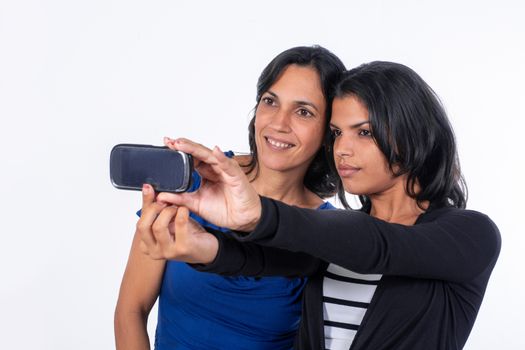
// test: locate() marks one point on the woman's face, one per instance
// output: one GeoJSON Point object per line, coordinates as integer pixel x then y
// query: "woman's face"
{"type": "Point", "coordinates": [290, 119]}
{"type": "Point", "coordinates": [363, 168]}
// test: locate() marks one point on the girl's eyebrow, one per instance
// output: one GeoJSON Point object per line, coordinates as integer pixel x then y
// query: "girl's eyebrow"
{"type": "Point", "coordinates": [298, 102]}
{"type": "Point", "coordinates": [354, 126]}
{"type": "Point", "coordinates": [360, 124]}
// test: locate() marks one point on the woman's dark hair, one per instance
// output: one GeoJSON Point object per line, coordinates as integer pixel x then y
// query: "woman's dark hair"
{"type": "Point", "coordinates": [411, 128]}
{"type": "Point", "coordinates": [320, 178]}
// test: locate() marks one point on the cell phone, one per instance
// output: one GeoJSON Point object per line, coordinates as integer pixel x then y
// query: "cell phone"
{"type": "Point", "coordinates": [132, 165]}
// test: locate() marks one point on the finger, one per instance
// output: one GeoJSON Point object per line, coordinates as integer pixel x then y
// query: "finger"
{"type": "Point", "coordinates": [188, 246]}
{"type": "Point", "coordinates": [227, 165]}
{"type": "Point", "coordinates": [207, 172]}
{"type": "Point", "coordinates": [148, 195]}
{"type": "Point", "coordinates": [187, 199]}
{"type": "Point", "coordinates": [167, 141]}
{"type": "Point", "coordinates": [150, 211]}
{"type": "Point", "coordinates": [194, 244]}
{"type": "Point", "coordinates": [171, 144]}
{"type": "Point", "coordinates": [149, 214]}
{"type": "Point", "coordinates": [182, 220]}
{"type": "Point", "coordinates": [161, 227]}
{"type": "Point", "coordinates": [197, 150]}
{"type": "Point", "coordinates": [150, 207]}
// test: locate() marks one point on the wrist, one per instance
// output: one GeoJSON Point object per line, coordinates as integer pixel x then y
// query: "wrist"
{"type": "Point", "coordinates": [255, 218]}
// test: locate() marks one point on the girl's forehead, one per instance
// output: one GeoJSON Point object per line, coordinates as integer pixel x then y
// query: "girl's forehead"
{"type": "Point", "coordinates": [348, 110]}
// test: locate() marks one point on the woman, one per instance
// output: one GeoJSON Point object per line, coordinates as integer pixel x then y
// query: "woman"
{"type": "Point", "coordinates": [408, 271]}
{"type": "Point", "coordinates": [206, 311]}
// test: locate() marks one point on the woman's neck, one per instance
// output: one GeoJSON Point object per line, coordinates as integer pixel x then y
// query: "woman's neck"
{"type": "Point", "coordinates": [285, 187]}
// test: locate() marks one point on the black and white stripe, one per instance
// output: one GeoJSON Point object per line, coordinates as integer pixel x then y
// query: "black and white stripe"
{"type": "Point", "coordinates": [346, 296]}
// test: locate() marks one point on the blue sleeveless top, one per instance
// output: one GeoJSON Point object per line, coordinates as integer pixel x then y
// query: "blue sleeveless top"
{"type": "Point", "coordinates": [199, 310]}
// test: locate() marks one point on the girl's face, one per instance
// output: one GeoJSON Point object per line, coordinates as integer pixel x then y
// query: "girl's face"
{"type": "Point", "coordinates": [362, 166]}
{"type": "Point", "coordinates": [289, 122]}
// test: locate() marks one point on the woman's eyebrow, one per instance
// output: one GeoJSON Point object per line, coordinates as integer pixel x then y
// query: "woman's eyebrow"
{"type": "Point", "coordinates": [298, 102]}
{"type": "Point", "coordinates": [272, 93]}
{"type": "Point", "coordinates": [306, 103]}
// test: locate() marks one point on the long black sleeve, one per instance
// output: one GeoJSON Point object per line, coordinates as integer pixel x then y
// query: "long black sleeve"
{"type": "Point", "coordinates": [236, 258]}
{"type": "Point", "coordinates": [448, 244]}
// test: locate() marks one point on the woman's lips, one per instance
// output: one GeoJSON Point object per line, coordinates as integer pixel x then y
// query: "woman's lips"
{"type": "Point", "coordinates": [278, 144]}
{"type": "Point", "coordinates": [347, 170]}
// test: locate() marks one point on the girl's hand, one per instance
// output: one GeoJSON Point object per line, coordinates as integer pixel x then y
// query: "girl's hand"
{"type": "Point", "coordinates": [225, 198]}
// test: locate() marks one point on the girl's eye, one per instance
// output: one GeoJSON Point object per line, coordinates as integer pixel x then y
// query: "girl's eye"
{"type": "Point", "coordinates": [335, 133]}
{"type": "Point", "coordinates": [304, 113]}
{"type": "Point", "coordinates": [365, 132]}
{"type": "Point", "coordinates": [268, 100]}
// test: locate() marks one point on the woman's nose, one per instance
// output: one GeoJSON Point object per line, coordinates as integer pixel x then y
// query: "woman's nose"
{"type": "Point", "coordinates": [281, 121]}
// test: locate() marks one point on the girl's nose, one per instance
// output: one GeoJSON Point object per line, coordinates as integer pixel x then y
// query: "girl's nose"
{"type": "Point", "coordinates": [343, 147]}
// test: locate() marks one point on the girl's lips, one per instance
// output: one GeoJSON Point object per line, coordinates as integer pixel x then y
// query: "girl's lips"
{"type": "Point", "coordinates": [346, 170]}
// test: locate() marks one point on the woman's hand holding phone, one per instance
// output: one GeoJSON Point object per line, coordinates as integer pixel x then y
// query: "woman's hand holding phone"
{"type": "Point", "coordinates": [167, 232]}
{"type": "Point", "coordinates": [226, 198]}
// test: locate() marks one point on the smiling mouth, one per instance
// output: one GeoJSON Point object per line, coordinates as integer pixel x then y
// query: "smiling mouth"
{"type": "Point", "coordinates": [278, 144]}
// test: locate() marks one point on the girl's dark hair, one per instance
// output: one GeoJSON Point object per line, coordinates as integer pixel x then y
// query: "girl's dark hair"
{"type": "Point", "coordinates": [411, 128]}
{"type": "Point", "coordinates": [320, 178]}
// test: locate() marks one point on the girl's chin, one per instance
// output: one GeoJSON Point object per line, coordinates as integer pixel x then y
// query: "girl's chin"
{"type": "Point", "coordinates": [353, 190]}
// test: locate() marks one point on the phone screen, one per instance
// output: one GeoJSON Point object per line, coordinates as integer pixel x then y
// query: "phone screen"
{"type": "Point", "coordinates": [134, 165]}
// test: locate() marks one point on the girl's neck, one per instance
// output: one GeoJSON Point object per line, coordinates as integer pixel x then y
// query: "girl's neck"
{"type": "Point", "coordinates": [396, 206]}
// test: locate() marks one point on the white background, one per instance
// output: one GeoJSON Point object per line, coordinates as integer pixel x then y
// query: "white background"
{"type": "Point", "coordinates": [77, 77]}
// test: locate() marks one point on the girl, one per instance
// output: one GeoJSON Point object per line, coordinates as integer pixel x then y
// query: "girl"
{"type": "Point", "coordinates": [407, 271]}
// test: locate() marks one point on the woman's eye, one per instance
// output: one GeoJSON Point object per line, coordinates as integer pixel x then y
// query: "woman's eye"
{"type": "Point", "coordinates": [268, 100]}
{"type": "Point", "coordinates": [365, 132]}
{"type": "Point", "coordinates": [335, 133]}
{"type": "Point", "coordinates": [304, 113]}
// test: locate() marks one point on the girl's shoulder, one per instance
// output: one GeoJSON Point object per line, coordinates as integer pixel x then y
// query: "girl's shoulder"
{"type": "Point", "coordinates": [471, 222]}
{"type": "Point", "coordinates": [457, 214]}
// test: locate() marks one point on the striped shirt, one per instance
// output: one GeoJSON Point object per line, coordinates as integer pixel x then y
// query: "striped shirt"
{"type": "Point", "coordinates": [346, 296]}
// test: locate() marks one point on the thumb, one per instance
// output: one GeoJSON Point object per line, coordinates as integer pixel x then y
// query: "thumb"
{"type": "Point", "coordinates": [148, 195]}
{"type": "Point", "coordinates": [186, 199]}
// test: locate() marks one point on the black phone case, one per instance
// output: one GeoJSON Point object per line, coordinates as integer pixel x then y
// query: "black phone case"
{"type": "Point", "coordinates": [116, 167]}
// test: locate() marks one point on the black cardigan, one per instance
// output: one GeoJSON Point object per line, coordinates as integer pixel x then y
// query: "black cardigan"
{"type": "Point", "coordinates": [434, 273]}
